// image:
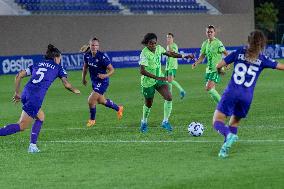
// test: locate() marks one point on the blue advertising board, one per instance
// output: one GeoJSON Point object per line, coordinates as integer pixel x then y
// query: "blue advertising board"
{"type": "Point", "coordinates": [119, 59]}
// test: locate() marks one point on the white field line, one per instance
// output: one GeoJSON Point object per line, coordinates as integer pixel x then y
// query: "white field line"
{"type": "Point", "coordinates": [128, 127]}
{"type": "Point", "coordinates": [156, 141]}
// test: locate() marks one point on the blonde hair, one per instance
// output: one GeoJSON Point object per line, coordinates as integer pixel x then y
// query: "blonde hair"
{"type": "Point", "coordinates": [256, 44]}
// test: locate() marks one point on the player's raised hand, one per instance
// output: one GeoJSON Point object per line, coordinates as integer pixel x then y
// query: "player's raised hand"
{"type": "Point", "coordinates": [16, 97]}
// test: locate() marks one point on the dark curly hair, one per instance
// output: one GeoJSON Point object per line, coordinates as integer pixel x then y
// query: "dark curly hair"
{"type": "Point", "coordinates": [148, 37]}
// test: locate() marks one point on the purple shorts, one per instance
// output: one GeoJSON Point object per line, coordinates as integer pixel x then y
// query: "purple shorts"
{"type": "Point", "coordinates": [31, 104]}
{"type": "Point", "coordinates": [237, 105]}
{"type": "Point", "coordinates": [100, 87]}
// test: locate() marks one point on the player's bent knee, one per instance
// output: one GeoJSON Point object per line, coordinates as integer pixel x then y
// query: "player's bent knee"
{"type": "Point", "coordinates": [23, 126]}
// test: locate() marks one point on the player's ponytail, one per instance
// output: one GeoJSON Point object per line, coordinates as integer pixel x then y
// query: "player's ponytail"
{"type": "Point", "coordinates": [52, 52]}
{"type": "Point", "coordinates": [85, 48]}
{"type": "Point", "coordinates": [256, 44]}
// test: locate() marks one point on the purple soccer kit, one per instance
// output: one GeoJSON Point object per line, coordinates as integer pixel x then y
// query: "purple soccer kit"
{"type": "Point", "coordinates": [42, 76]}
{"type": "Point", "coordinates": [98, 65]}
{"type": "Point", "coordinates": [238, 95]}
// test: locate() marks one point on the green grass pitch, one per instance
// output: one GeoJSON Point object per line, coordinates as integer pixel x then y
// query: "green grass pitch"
{"type": "Point", "coordinates": [114, 154]}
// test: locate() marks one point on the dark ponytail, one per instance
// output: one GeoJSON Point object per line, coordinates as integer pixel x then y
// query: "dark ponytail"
{"type": "Point", "coordinates": [52, 52]}
{"type": "Point", "coordinates": [257, 42]}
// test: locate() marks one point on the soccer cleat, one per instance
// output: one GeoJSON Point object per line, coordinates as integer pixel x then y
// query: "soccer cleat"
{"type": "Point", "coordinates": [33, 148]}
{"type": "Point", "coordinates": [230, 139]}
{"type": "Point", "coordinates": [182, 94]}
{"type": "Point", "coordinates": [120, 112]}
{"type": "Point", "coordinates": [223, 152]}
{"type": "Point", "coordinates": [167, 126]}
{"type": "Point", "coordinates": [143, 127]}
{"type": "Point", "coordinates": [91, 123]}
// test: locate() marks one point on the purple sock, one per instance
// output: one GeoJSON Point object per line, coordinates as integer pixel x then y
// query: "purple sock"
{"type": "Point", "coordinates": [93, 113]}
{"type": "Point", "coordinates": [35, 131]}
{"type": "Point", "coordinates": [9, 129]}
{"type": "Point", "coordinates": [221, 128]}
{"type": "Point", "coordinates": [111, 104]}
{"type": "Point", "coordinates": [233, 130]}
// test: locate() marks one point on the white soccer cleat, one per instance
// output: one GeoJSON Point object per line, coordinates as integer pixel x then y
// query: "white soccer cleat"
{"type": "Point", "coordinates": [33, 148]}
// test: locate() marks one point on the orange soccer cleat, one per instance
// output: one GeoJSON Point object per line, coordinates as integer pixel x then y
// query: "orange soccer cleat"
{"type": "Point", "coordinates": [91, 123]}
{"type": "Point", "coordinates": [120, 112]}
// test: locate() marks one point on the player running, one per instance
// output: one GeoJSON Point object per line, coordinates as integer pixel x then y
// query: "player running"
{"type": "Point", "coordinates": [100, 70]}
{"type": "Point", "coordinates": [236, 100]}
{"type": "Point", "coordinates": [42, 76]}
{"type": "Point", "coordinates": [172, 66]}
{"type": "Point", "coordinates": [153, 79]}
{"type": "Point", "coordinates": [212, 49]}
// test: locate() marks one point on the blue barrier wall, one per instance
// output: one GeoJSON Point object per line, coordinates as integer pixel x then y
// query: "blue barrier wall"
{"type": "Point", "coordinates": [119, 59]}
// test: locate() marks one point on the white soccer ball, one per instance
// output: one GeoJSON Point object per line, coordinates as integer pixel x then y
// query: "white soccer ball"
{"type": "Point", "coordinates": [195, 129]}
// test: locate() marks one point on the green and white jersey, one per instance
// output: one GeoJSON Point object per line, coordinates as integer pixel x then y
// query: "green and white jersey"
{"type": "Point", "coordinates": [172, 63]}
{"type": "Point", "coordinates": [152, 63]}
{"type": "Point", "coordinates": [213, 51]}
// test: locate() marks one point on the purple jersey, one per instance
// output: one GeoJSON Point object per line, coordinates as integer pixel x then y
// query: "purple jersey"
{"type": "Point", "coordinates": [42, 76]}
{"type": "Point", "coordinates": [246, 73]}
{"type": "Point", "coordinates": [237, 97]}
{"type": "Point", "coordinates": [97, 65]}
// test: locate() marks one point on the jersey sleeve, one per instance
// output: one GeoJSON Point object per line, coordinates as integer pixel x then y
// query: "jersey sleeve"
{"type": "Point", "coordinates": [175, 48]}
{"type": "Point", "coordinates": [203, 49]}
{"type": "Point", "coordinates": [162, 49]}
{"type": "Point", "coordinates": [85, 58]}
{"type": "Point", "coordinates": [29, 70]}
{"type": "Point", "coordinates": [62, 72]}
{"type": "Point", "coordinates": [106, 60]}
{"type": "Point", "coordinates": [269, 63]}
{"type": "Point", "coordinates": [221, 47]}
{"type": "Point", "coordinates": [231, 57]}
{"type": "Point", "coordinates": [143, 59]}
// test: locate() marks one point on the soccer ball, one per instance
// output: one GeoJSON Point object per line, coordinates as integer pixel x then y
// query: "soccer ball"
{"type": "Point", "coordinates": [195, 129]}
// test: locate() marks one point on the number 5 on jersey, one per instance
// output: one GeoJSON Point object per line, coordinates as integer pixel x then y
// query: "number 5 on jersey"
{"type": "Point", "coordinates": [39, 72]}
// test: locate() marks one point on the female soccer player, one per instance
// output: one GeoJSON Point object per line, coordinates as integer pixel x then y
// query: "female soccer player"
{"type": "Point", "coordinates": [42, 76]}
{"type": "Point", "coordinates": [153, 79]}
{"type": "Point", "coordinates": [236, 100]}
{"type": "Point", "coordinates": [212, 49]}
{"type": "Point", "coordinates": [172, 66]}
{"type": "Point", "coordinates": [100, 70]}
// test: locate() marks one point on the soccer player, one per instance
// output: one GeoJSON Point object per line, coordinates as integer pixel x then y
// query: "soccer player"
{"type": "Point", "coordinates": [153, 79]}
{"type": "Point", "coordinates": [100, 70]}
{"type": "Point", "coordinates": [212, 49]}
{"type": "Point", "coordinates": [42, 76]}
{"type": "Point", "coordinates": [172, 66]}
{"type": "Point", "coordinates": [237, 97]}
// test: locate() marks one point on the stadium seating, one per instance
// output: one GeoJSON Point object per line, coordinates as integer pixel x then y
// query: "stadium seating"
{"type": "Point", "coordinates": [164, 6]}
{"type": "Point", "coordinates": [105, 7]}
{"type": "Point", "coordinates": [68, 6]}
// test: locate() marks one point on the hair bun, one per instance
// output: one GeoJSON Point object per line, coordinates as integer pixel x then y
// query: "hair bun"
{"type": "Point", "coordinates": [50, 46]}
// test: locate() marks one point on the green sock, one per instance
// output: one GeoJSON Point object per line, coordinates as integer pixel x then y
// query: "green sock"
{"type": "Point", "coordinates": [146, 113]}
{"type": "Point", "coordinates": [177, 85]}
{"type": "Point", "coordinates": [215, 95]}
{"type": "Point", "coordinates": [168, 105]}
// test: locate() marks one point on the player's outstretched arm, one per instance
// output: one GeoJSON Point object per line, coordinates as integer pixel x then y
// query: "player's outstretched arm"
{"type": "Point", "coordinates": [177, 55]}
{"type": "Point", "coordinates": [144, 72]}
{"type": "Point", "coordinates": [68, 86]}
{"type": "Point", "coordinates": [280, 66]}
{"type": "Point", "coordinates": [199, 60]}
{"type": "Point", "coordinates": [18, 79]}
